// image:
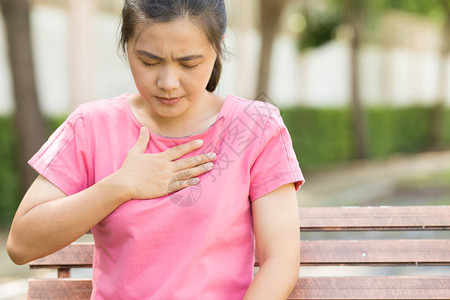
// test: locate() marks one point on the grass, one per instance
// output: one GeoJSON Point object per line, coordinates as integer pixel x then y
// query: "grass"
{"type": "Point", "coordinates": [431, 180]}
{"type": "Point", "coordinates": [424, 189]}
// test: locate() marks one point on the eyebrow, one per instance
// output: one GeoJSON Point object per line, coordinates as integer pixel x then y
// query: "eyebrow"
{"type": "Point", "coordinates": [155, 57]}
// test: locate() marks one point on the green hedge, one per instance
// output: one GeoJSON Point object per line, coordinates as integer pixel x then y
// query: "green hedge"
{"type": "Point", "coordinates": [9, 178]}
{"type": "Point", "coordinates": [9, 188]}
{"type": "Point", "coordinates": [447, 129]}
{"type": "Point", "coordinates": [398, 130]}
{"type": "Point", "coordinates": [321, 137]}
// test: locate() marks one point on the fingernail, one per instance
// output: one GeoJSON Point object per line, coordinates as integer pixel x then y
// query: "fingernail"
{"type": "Point", "coordinates": [199, 142]}
{"type": "Point", "coordinates": [193, 181]}
{"type": "Point", "coordinates": [211, 155]}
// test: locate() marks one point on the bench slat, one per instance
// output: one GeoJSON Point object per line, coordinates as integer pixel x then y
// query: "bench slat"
{"type": "Point", "coordinates": [74, 289]}
{"type": "Point", "coordinates": [322, 252]}
{"type": "Point", "coordinates": [387, 287]}
{"type": "Point", "coordinates": [376, 252]}
{"type": "Point", "coordinates": [383, 287]}
{"type": "Point", "coordinates": [75, 255]}
{"type": "Point", "coordinates": [374, 218]}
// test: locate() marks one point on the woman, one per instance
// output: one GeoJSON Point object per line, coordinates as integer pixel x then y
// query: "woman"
{"type": "Point", "coordinates": [175, 181]}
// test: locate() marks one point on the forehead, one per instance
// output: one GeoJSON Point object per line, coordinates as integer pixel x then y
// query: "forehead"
{"type": "Point", "coordinates": [180, 36]}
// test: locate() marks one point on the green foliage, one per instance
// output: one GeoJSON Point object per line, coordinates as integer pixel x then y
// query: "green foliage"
{"type": "Point", "coordinates": [9, 187]}
{"type": "Point", "coordinates": [322, 137]}
{"type": "Point", "coordinates": [321, 24]}
{"type": "Point", "coordinates": [318, 32]}
{"type": "Point", "coordinates": [398, 130]}
{"type": "Point", "coordinates": [432, 9]}
{"type": "Point", "coordinates": [325, 16]}
{"type": "Point", "coordinates": [447, 129]}
{"type": "Point", "coordinates": [9, 177]}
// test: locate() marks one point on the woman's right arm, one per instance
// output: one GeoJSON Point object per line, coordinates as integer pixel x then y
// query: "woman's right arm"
{"type": "Point", "coordinates": [48, 220]}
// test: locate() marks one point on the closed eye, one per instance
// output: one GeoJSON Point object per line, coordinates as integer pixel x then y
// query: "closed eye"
{"type": "Point", "coordinates": [149, 65]}
{"type": "Point", "coordinates": [157, 63]}
{"type": "Point", "coordinates": [190, 67]}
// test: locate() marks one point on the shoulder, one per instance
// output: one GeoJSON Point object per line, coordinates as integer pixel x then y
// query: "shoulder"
{"type": "Point", "coordinates": [103, 107]}
{"type": "Point", "coordinates": [100, 112]}
{"type": "Point", "coordinates": [255, 113]}
{"type": "Point", "coordinates": [106, 105]}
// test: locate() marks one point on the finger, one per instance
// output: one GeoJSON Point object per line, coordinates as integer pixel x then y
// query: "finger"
{"type": "Point", "coordinates": [178, 185]}
{"type": "Point", "coordinates": [183, 149]}
{"type": "Point", "coordinates": [191, 162]}
{"type": "Point", "coordinates": [193, 172]}
{"type": "Point", "coordinates": [143, 139]}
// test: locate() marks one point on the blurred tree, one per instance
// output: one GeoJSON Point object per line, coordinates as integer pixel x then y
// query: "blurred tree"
{"type": "Point", "coordinates": [354, 18]}
{"type": "Point", "coordinates": [270, 14]}
{"type": "Point", "coordinates": [29, 122]}
{"type": "Point", "coordinates": [438, 11]}
{"type": "Point", "coordinates": [322, 23]}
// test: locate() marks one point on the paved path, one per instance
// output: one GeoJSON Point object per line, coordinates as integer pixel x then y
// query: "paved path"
{"type": "Point", "coordinates": [345, 185]}
{"type": "Point", "coordinates": [342, 185]}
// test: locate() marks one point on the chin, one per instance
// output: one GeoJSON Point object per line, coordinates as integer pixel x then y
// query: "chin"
{"type": "Point", "coordinates": [169, 112]}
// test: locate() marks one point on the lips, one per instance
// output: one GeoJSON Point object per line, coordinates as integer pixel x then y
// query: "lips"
{"type": "Point", "coordinates": [168, 101]}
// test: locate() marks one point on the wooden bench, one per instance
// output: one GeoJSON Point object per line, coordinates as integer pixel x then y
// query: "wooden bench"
{"type": "Point", "coordinates": [320, 249]}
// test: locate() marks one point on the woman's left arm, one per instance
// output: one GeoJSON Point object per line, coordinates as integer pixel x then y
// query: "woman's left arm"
{"type": "Point", "coordinates": [277, 234]}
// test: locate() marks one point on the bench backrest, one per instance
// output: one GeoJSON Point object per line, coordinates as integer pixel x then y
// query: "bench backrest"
{"type": "Point", "coordinates": [320, 250]}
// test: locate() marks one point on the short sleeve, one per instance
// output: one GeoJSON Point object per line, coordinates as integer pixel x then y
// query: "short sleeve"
{"type": "Point", "coordinates": [64, 158]}
{"type": "Point", "coordinates": [276, 163]}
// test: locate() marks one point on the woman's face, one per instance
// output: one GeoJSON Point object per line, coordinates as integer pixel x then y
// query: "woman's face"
{"type": "Point", "coordinates": [171, 64]}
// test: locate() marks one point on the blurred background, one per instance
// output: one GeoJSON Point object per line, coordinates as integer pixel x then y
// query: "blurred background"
{"type": "Point", "coordinates": [363, 87]}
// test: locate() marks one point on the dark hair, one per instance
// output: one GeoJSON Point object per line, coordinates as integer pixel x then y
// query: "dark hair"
{"type": "Point", "coordinates": [209, 15]}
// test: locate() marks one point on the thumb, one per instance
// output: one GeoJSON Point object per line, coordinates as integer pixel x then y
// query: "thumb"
{"type": "Point", "coordinates": [143, 139]}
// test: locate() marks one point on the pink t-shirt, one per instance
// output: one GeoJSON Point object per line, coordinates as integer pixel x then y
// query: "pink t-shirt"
{"type": "Point", "coordinates": [197, 243]}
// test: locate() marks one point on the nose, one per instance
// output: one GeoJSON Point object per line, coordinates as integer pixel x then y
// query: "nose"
{"type": "Point", "coordinates": [167, 79]}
